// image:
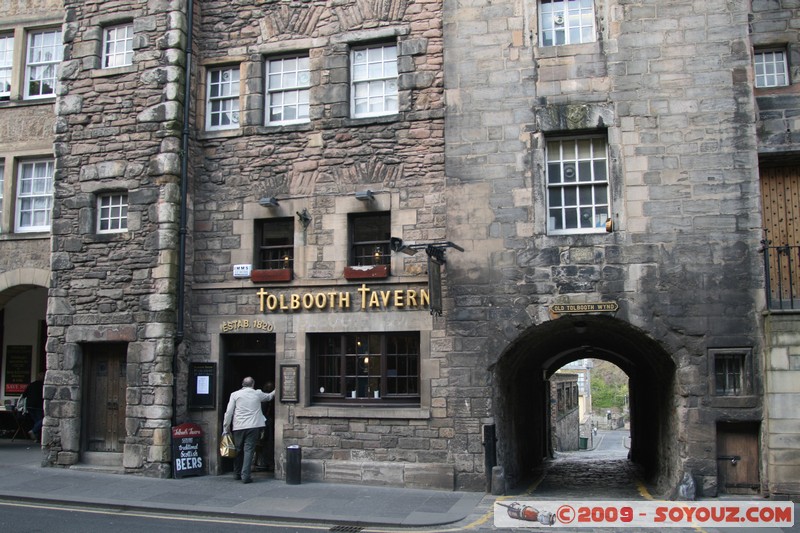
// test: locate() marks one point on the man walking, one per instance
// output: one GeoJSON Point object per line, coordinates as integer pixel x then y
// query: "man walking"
{"type": "Point", "coordinates": [244, 412]}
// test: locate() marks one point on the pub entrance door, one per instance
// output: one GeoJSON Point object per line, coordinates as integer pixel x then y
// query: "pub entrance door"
{"type": "Point", "coordinates": [250, 355]}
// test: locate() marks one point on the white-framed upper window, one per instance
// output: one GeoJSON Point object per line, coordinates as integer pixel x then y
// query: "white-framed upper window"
{"type": "Point", "coordinates": [223, 99]}
{"type": "Point", "coordinates": [2, 176]}
{"type": "Point", "coordinates": [374, 80]}
{"type": "Point", "coordinates": [34, 196]}
{"type": "Point", "coordinates": [577, 185]}
{"type": "Point", "coordinates": [118, 46]}
{"type": "Point", "coordinates": [45, 52]}
{"type": "Point", "coordinates": [6, 55]}
{"type": "Point", "coordinates": [772, 69]}
{"type": "Point", "coordinates": [566, 22]}
{"type": "Point", "coordinates": [112, 212]}
{"type": "Point", "coordinates": [288, 89]}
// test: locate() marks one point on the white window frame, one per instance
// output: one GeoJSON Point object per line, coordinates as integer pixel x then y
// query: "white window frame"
{"type": "Point", "coordinates": [771, 68]}
{"type": "Point", "coordinates": [34, 196]}
{"type": "Point", "coordinates": [222, 98]}
{"type": "Point", "coordinates": [112, 212]}
{"type": "Point", "coordinates": [6, 63]}
{"type": "Point", "coordinates": [118, 46]}
{"type": "Point", "coordinates": [373, 81]}
{"type": "Point", "coordinates": [563, 22]}
{"type": "Point", "coordinates": [578, 186]}
{"type": "Point", "coordinates": [2, 179]}
{"type": "Point", "coordinates": [288, 90]}
{"type": "Point", "coordinates": [44, 54]}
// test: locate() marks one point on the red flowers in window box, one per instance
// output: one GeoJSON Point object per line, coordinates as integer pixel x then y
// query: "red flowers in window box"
{"type": "Point", "coordinates": [269, 276]}
{"type": "Point", "coordinates": [366, 272]}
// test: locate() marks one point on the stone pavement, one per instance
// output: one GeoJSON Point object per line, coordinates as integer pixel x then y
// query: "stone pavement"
{"type": "Point", "coordinates": [23, 478]}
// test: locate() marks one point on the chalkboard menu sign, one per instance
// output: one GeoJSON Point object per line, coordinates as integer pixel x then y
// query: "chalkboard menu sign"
{"type": "Point", "coordinates": [186, 450]}
{"type": "Point", "coordinates": [202, 385]}
{"type": "Point", "coordinates": [18, 368]}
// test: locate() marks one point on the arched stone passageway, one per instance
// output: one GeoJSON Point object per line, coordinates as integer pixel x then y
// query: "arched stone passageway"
{"type": "Point", "coordinates": [522, 402]}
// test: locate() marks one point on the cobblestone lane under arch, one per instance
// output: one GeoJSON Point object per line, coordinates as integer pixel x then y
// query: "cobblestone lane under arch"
{"type": "Point", "coordinates": [602, 472]}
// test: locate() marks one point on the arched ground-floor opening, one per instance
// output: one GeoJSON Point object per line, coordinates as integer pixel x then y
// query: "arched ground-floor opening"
{"type": "Point", "coordinates": [23, 338]}
{"type": "Point", "coordinates": [522, 393]}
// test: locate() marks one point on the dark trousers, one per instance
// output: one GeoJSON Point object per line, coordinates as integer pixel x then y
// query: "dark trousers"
{"type": "Point", "coordinates": [245, 441]}
{"type": "Point", "coordinates": [37, 415]}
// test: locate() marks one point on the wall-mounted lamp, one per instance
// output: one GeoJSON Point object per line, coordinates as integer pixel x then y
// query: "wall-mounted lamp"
{"type": "Point", "coordinates": [397, 245]}
{"type": "Point", "coordinates": [304, 218]}
{"type": "Point", "coordinates": [268, 201]}
{"type": "Point", "coordinates": [365, 196]}
{"type": "Point", "coordinates": [609, 225]}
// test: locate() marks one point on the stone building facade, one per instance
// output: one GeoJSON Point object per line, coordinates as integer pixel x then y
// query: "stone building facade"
{"type": "Point", "coordinates": [235, 187]}
{"type": "Point", "coordinates": [669, 90]}
{"type": "Point", "coordinates": [26, 175]}
{"type": "Point", "coordinates": [565, 422]}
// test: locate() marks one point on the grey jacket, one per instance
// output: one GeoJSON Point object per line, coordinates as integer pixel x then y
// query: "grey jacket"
{"type": "Point", "coordinates": [244, 409]}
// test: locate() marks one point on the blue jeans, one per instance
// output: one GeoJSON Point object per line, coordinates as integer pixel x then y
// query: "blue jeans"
{"type": "Point", "coordinates": [245, 441]}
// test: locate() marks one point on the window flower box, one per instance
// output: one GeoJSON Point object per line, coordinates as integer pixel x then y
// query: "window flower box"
{"type": "Point", "coordinates": [366, 272]}
{"type": "Point", "coordinates": [270, 276]}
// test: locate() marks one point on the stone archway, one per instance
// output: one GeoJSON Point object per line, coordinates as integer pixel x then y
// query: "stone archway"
{"type": "Point", "coordinates": [521, 398]}
{"type": "Point", "coordinates": [17, 281]}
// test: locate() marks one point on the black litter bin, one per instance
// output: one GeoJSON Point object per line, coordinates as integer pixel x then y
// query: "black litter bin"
{"type": "Point", "coordinates": [294, 456]}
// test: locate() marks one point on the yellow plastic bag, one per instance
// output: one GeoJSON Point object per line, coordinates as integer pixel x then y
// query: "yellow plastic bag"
{"type": "Point", "coordinates": [226, 446]}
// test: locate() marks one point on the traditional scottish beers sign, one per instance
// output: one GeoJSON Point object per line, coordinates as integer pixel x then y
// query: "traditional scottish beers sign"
{"type": "Point", "coordinates": [186, 455]}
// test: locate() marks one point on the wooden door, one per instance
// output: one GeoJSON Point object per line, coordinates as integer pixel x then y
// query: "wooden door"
{"type": "Point", "coordinates": [737, 458]}
{"type": "Point", "coordinates": [780, 200]}
{"type": "Point", "coordinates": [105, 405]}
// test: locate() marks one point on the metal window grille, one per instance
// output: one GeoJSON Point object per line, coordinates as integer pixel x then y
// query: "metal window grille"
{"type": "Point", "coordinates": [728, 373]}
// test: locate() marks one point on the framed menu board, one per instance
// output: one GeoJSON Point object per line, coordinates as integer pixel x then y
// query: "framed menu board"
{"type": "Point", "coordinates": [202, 385]}
{"type": "Point", "coordinates": [290, 383]}
{"type": "Point", "coordinates": [18, 368]}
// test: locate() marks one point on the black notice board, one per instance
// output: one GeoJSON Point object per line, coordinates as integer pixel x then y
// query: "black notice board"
{"type": "Point", "coordinates": [202, 385]}
{"type": "Point", "coordinates": [186, 450]}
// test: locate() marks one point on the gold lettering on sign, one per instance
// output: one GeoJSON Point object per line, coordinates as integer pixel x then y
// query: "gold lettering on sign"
{"type": "Point", "coordinates": [369, 299]}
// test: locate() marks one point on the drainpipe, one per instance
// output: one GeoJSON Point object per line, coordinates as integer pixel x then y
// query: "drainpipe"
{"type": "Point", "coordinates": [181, 296]}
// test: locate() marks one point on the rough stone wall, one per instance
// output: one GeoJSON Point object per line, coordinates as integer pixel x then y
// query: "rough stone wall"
{"type": "Point", "coordinates": [117, 130]}
{"type": "Point", "coordinates": [670, 84]}
{"type": "Point", "coordinates": [318, 166]}
{"type": "Point", "coordinates": [773, 24]}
